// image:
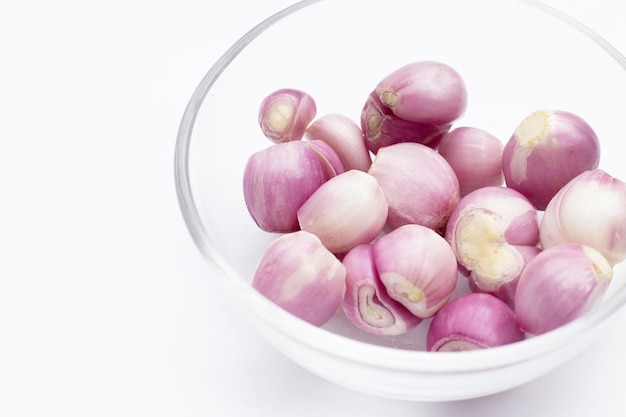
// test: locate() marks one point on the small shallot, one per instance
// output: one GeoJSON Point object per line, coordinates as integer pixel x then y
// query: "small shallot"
{"type": "Point", "coordinates": [473, 321]}
{"type": "Point", "coordinates": [299, 274]}
{"type": "Point", "coordinates": [278, 179]}
{"type": "Point", "coordinates": [424, 92]}
{"type": "Point", "coordinates": [591, 210]}
{"type": "Point", "coordinates": [285, 114]}
{"type": "Point", "coordinates": [475, 156]}
{"type": "Point", "coordinates": [366, 303]}
{"type": "Point", "coordinates": [347, 210]}
{"type": "Point", "coordinates": [559, 285]}
{"type": "Point", "coordinates": [420, 186]}
{"type": "Point", "coordinates": [417, 267]}
{"type": "Point", "coordinates": [494, 232]}
{"type": "Point", "coordinates": [547, 150]}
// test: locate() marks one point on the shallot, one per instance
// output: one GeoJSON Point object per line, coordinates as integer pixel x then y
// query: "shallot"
{"type": "Point", "coordinates": [347, 210]}
{"type": "Point", "coordinates": [473, 321]}
{"type": "Point", "coordinates": [420, 186]}
{"type": "Point", "coordinates": [278, 179]}
{"type": "Point", "coordinates": [285, 114]}
{"type": "Point", "coordinates": [299, 274]}
{"type": "Point", "coordinates": [417, 267]}
{"type": "Point", "coordinates": [427, 92]}
{"type": "Point", "coordinates": [547, 150]}
{"type": "Point", "coordinates": [417, 102]}
{"type": "Point", "coordinates": [591, 210]}
{"type": "Point", "coordinates": [559, 285]}
{"type": "Point", "coordinates": [494, 232]}
{"type": "Point", "coordinates": [475, 156]}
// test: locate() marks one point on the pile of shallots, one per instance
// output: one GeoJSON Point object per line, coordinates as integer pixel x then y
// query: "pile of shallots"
{"type": "Point", "coordinates": [378, 219]}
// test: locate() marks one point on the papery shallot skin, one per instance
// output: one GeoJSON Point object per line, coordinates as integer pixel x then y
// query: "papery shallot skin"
{"type": "Point", "coordinates": [591, 210]}
{"type": "Point", "coordinates": [547, 150]}
{"type": "Point", "coordinates": [428, 92]}
{"type": "Point", "coordinates": [347, 210]}
{"type": "Point", "coordinates": [494, 232]}
{"type": "Point", "coordinates": [278, 179]}
{"type": "Point", "coordinates": [473, 321]}
{"type": "Point", "coordinates": [366, 303]}
{"type": "Point", "coordinates": [345, 137]}
{"type": "Point", "coordinates": [285, 114]}
{"type": "Point", "coordinates": [475, 156]}
{"type": "Point", "coordinates": [559, 285]}
{"type": "Point", "coordinates": [300, 275]}
{"type": "Point", "coordinates": [417, 267]}
{"type": "Point", "coordinates": [420, 186]}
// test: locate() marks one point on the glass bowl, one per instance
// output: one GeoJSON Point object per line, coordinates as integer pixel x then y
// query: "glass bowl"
{"type": "Point", "coordinates": [515, 57]}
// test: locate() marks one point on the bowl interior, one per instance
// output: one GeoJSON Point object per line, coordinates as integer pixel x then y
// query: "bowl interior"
{"type": "Point", "coordinates": [514, 56]}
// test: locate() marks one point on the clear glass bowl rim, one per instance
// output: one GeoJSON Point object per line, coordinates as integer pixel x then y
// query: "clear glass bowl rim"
{"type": "Point", "coordinates": [340, 346]}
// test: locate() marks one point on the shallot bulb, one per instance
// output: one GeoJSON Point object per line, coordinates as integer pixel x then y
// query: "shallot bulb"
{"type": "Point", "coordinates": [347, 210]}
{"type": "Point", "coordinates": [473, 321]}
{"type": "Point", "coordinates": [415, 103]}
{"type": "Point", "coordinates": [475, 156]}
{"type": "Point", "coordinates": [285, 114]}
{"type": "Point", "coordinates": [559, 285]}
{"type": "Point", "coordinates": [427, 92]}
{"type": "Point", "coordinates": [420, 186]}
{"type": "Point", "coordinates": [344, 136]}
{"type": "Point", "coordinates": [547, 150]}
{"type": "Point", "coordinates": [591, 210]}
{"type": "Point", "coordinates": [417, 267]}
{"type": "Point", "coordinates": [366, 303]}
{"type": "Point", "coordinates": [279, 179]}
{"type": "Point", "coordinates": [300, 275]}
{"type": "Point", "coordinates": [494, 232]}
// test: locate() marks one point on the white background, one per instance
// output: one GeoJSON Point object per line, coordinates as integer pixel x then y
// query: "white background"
{"type": "Point", "coordinates": [106, 307]}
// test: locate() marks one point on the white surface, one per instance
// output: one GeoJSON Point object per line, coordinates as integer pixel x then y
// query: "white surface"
{"type": "Point", "coordinates": [106, 308]}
